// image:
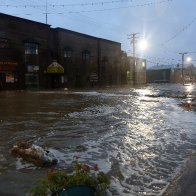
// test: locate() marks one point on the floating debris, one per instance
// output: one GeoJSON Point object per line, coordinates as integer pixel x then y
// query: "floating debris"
{"type": "Point", "coordinates": [34, 154]}
{"type": "Point", "coordinates": [188, 105]}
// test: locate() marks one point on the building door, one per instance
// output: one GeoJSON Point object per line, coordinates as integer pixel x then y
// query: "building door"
{"type": "Point", "coordinates": [78, 81]}
{"type": "Point", "coordinates": [2, 79]}
{"type": "Point", "coordinates": [56, 81]}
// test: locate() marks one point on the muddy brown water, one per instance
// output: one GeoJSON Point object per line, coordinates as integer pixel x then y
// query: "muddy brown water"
{"type": "Point", "coordinates": [127, 133]}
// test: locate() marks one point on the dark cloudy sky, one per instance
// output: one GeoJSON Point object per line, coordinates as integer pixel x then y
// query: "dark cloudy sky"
{"type": "Point", "coordinates": [169, 26]}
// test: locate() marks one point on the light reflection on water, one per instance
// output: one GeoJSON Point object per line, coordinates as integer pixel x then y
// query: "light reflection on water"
{"type": "Point", "coordinates": [125, 132]}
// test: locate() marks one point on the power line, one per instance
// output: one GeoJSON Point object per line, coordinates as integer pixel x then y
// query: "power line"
{"type": "Point", "coordinates": [177, 34]}
{"type": "Point", "coordinates": [180, 31]}
{"type": "Point", "coordinates": [158, 63]}
{"type": "Point", "coordinates": [73, 4]}
{"type": "Point", "coordinates": [95, 10]}
{"type": "Point", "coordinates": [160, 58]}
{"type": "Point", "coordinates": [95, 3]}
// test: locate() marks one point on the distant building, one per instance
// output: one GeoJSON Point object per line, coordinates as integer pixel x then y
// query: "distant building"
{"type": "Point", "coordinates": [159, 74]}
{"type": "Point", "coordinates": [33, 54]}
{"type": "Point", "coordinates": [171, 74]}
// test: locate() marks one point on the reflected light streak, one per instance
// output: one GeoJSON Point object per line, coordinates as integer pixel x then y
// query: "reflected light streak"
{"type": "Point", "coordinates": [144, 92]}
{"type": "Point", "coordinates": [189, 88]}
{"type": "Point", "coordinates": [138, 131]}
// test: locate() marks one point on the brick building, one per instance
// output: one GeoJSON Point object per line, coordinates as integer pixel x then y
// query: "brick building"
{"type": "Point", "coordinates": [33, 54]}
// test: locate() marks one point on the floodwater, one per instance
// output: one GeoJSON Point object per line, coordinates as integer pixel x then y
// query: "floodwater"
{"type": "Point", "coordinates": [140, 140]}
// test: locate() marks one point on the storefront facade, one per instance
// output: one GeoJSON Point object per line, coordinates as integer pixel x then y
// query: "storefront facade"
{"type": "Point", "coordinates": [28, 48]}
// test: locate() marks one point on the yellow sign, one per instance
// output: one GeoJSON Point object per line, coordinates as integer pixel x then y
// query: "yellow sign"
{"type": "Point", "coordinates": [55, 68]}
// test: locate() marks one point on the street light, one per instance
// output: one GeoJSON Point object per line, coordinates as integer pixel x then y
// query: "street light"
{"type": "Point", "coordinates": [188, 59]}
{"type": "Point", "coordinates": [143, 44]}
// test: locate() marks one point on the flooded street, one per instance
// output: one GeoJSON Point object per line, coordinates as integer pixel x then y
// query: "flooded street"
{"type": "Point", "coordinates": [139, 139]}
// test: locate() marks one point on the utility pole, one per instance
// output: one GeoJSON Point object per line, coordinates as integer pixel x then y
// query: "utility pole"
{"type": "Point", "coordinates": [182, 71]}
{"type": "Point", "coordinates": [46, 11]}
{"type": "Point", "coordinates": [133, 42]}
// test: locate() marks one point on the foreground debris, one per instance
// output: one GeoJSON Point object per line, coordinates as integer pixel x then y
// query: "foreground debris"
{"type": "Point", "coordinates": [34, 154]}
{"type": "Point", "coordinates": [188, 105]}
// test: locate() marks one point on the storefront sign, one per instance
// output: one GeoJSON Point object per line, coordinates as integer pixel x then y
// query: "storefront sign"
{"type": "Point", "coordinates": [8, 66]}
{"type": "Point", "coordinates": [9, 63]}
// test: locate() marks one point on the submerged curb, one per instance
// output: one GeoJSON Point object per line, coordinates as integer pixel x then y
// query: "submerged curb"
{"type": "Point", "coordinates": [184, 183]}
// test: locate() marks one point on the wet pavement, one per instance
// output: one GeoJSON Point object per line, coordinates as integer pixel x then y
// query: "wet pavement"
{"type": "Point", "coordinates": [140, 136]}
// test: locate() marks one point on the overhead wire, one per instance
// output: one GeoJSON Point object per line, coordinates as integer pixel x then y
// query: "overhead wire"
{"type": "Point", "coordinates": [74, 4]}
{"type": "Point", "coordinates": [161, 61]}
{"type": "Point", "coordinates": [164, 44]}
{"type": "Point", "coordinates": [95, 10]}
{"type": "Point", "coordinates": [179, 32]}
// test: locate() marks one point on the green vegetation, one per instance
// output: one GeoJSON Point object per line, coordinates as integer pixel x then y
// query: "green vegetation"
{"type": "Point", "coordinates": [83, 174]}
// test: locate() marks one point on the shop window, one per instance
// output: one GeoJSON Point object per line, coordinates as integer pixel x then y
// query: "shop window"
{"type": "Point", "coordinates": [67, 52]}
{"type": "Point", "coordinates": [9, 78]}
{"type": "Point", "coordinates": [3, 43]}
{"type": "Point", "coordinates": [31, 48]}
{"type": "Point", "coordinates": [32, 68]}
{"type": "Point", "coordinates": [31, 79]}
{"type": "Point", "coordinates": [143, 64]}
{"type": "Point", "coordinates": [86, 55]}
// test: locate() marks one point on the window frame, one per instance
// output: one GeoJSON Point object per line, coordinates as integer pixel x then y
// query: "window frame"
{"type": "Point", "coordinates": [31, 48]}
{"type": "Point", "coordinates": [67, 52]}
{"type": "Point", "coordinates": [86, 55]}
{"type": "Point", "coordinates": [4, 43]}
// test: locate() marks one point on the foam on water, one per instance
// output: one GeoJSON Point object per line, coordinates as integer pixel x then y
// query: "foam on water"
{"type": "Point", "coordinates": [148, 154]}
{"type": "Point", "coordinates": [21, 164]}
{"type": "Point", "coordinates": [93, 112]}
{"type": "Point", "coordinates": [102, 94]}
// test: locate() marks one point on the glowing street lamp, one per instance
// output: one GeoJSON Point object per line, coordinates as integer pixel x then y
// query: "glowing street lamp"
{"type": "Point", "coordinates": [189, 59]}
{"type": "Point", "coordinates": [143, 44]}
